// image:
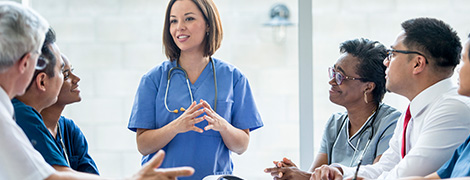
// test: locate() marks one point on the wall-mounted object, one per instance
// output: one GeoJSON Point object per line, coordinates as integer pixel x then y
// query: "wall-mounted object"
{"type": "Point", "coordinates": [279, 21]}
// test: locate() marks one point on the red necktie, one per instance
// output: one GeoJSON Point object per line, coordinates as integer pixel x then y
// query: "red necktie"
{"type": "Point", "coordinates": [405, 125]}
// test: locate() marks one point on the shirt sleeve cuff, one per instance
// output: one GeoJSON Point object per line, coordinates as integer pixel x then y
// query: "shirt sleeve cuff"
{"type": "Point", "coordinates": [347, 171]}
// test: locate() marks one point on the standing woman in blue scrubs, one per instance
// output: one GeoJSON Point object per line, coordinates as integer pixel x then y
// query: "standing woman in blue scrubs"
{"type": "Point", "coordinates": [197, 108]}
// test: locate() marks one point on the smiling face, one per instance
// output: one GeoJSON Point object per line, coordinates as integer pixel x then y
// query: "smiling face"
{"type": "Point", "coordinates": [464, 73]}
{"type": "Point", "coordinates": [69, 93]}
{"type": "Point", "coordinates": [187, 26]}
{"type": "Point", "coordinates": [350, 92]}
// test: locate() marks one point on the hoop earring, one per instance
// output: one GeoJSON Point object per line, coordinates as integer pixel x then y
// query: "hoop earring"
{"type": "Point", "coordinates": [365, 97]}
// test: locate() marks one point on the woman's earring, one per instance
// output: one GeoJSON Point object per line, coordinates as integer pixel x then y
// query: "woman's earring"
{"type": "Point", "coordinates": [207, 33]}
{"type": "Point", "coordinates": [365, 97]}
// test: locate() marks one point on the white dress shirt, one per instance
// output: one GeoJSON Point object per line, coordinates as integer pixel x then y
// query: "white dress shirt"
{"type": "Point", "coordinates": [439, 124]}
{"type": "Point", "coordinates": [18, 158]}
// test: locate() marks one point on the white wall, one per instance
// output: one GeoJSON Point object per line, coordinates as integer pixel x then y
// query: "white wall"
{"type": "Point", "coordinates": [111, 43]}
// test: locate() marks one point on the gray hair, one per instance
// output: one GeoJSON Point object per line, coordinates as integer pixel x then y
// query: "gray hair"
{"type": "Point", "coordinates": [22, 31]}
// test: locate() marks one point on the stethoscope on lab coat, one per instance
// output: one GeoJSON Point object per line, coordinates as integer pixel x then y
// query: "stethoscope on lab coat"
{"type": "Point", "coordinates": [189, 88]}
{"type": "Point", "coordinates": [370, 125]}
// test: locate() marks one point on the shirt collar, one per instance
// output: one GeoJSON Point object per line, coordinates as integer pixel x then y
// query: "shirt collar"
{"type": "Point", "coordinates": [430, 94]}
{"type": "Point", "coordinates": [6, 101]}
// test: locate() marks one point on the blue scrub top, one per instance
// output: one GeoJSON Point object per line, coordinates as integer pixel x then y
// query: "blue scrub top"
{"type": "Point", "coordinates": [50, 148]}
{"type": "Point", "coordinates": [458, 165]}
{"type": "Point", "coordinates": [77, 147]}
{"type": "Point", "coordinates": [206, 152]}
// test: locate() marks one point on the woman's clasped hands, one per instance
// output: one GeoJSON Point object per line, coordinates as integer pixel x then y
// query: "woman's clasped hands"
{"type": "Point", "coordinates": [287, 170]}
{"type": "Point", "coordinates": [186, 122]}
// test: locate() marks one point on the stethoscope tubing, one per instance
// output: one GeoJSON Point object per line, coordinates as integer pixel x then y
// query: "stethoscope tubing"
{"type": "Point", "coordinates": [187, 83]}
{"type": "Point", "coordinates": [168, 85]}
{"type": "Point", "coordinates": [360, 158]}
{"type": "Point", "coordinates": [62, 143]}
{"type": "Point", "coordinates": [369, 124]}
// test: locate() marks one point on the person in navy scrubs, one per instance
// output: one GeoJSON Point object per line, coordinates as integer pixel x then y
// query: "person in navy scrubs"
{"type": "Point", "coordinates": [74, 142]}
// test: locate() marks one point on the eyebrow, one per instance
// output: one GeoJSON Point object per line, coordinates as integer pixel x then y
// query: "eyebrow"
{"type": "Point", "coordinates": [189, 13]}
{"type": "Point", "coordinates": [341, 69]}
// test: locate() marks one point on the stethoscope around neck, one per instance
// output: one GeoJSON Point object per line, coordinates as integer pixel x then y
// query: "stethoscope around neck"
{"type": "Point", "coordinates": [370, 125]}
{"type": "Point", "coordinates": [170, 75]}
{"type": "Point", "coordinates": [59, 132]}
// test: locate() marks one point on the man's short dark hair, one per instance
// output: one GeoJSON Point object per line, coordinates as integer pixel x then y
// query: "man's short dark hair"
{"type": "Point", "coordinates": [434, 38]}
{"type": "Point", "coordinates": [370, 67]}
{"type": "Point", "coordinates": [48, 55]}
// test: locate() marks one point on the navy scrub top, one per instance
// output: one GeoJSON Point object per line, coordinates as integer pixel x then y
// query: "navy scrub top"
{"type": "Point", "coordinates": [50, 148]}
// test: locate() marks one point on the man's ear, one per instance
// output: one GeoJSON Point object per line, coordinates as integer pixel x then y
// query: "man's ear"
{"type": "Point", "coordinates": [419, 64]}
{"type": "Point", "coordinates": [40, 81]}
{"type": "Point", "coordinates": [24, 63]}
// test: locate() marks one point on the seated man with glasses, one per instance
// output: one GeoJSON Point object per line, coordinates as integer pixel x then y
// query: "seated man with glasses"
{"type": "Point", "coordinates": [362, 132]}
{"type": "Point", "coordinates": [457, 166]}
{"type": "Point", "coordinates": [419, 67]}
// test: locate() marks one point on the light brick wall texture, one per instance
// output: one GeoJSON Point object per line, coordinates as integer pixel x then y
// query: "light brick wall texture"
{"type": "Point", "coordinates": [112, 43]}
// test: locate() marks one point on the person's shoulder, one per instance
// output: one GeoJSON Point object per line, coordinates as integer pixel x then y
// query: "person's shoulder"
{"type": "Point", "coordinates": [453, 94]}
{"type": "Point", "coordinates": [159, 69]}
{"type": "Point", "coordinates": [224, 66]}
{"type": "Point", "coordinates": [227, 69]}
{"type": "Point", "coordinates": [66, 121]}
{"type": "Point", "coordinates": [387, 110]}
{"type": "Point", "coordinates": [157, 73]}
{"type": "Point", "coordinates": [334, 124]}
{"type": "Point", "coordinates": [336, 119]}
{"type": "Point", "coordinates": [452, 98]}
{"type": "Point", "coordinates": [387, 115]}
{"type": "Point", "coordinates": [18, 104]}
{"type": "Point", "coordinates": [68, 124]}
{"type": "Point", "coordinates": [25, 114]}
{"type": "Point", "coordinates": [449, 107]}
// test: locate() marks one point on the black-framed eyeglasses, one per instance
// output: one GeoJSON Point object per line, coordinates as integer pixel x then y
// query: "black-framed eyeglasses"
{"type": "Point", "coordinates": [339, 78]}
{"type": "Point", "coordinates": [391, 51]}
